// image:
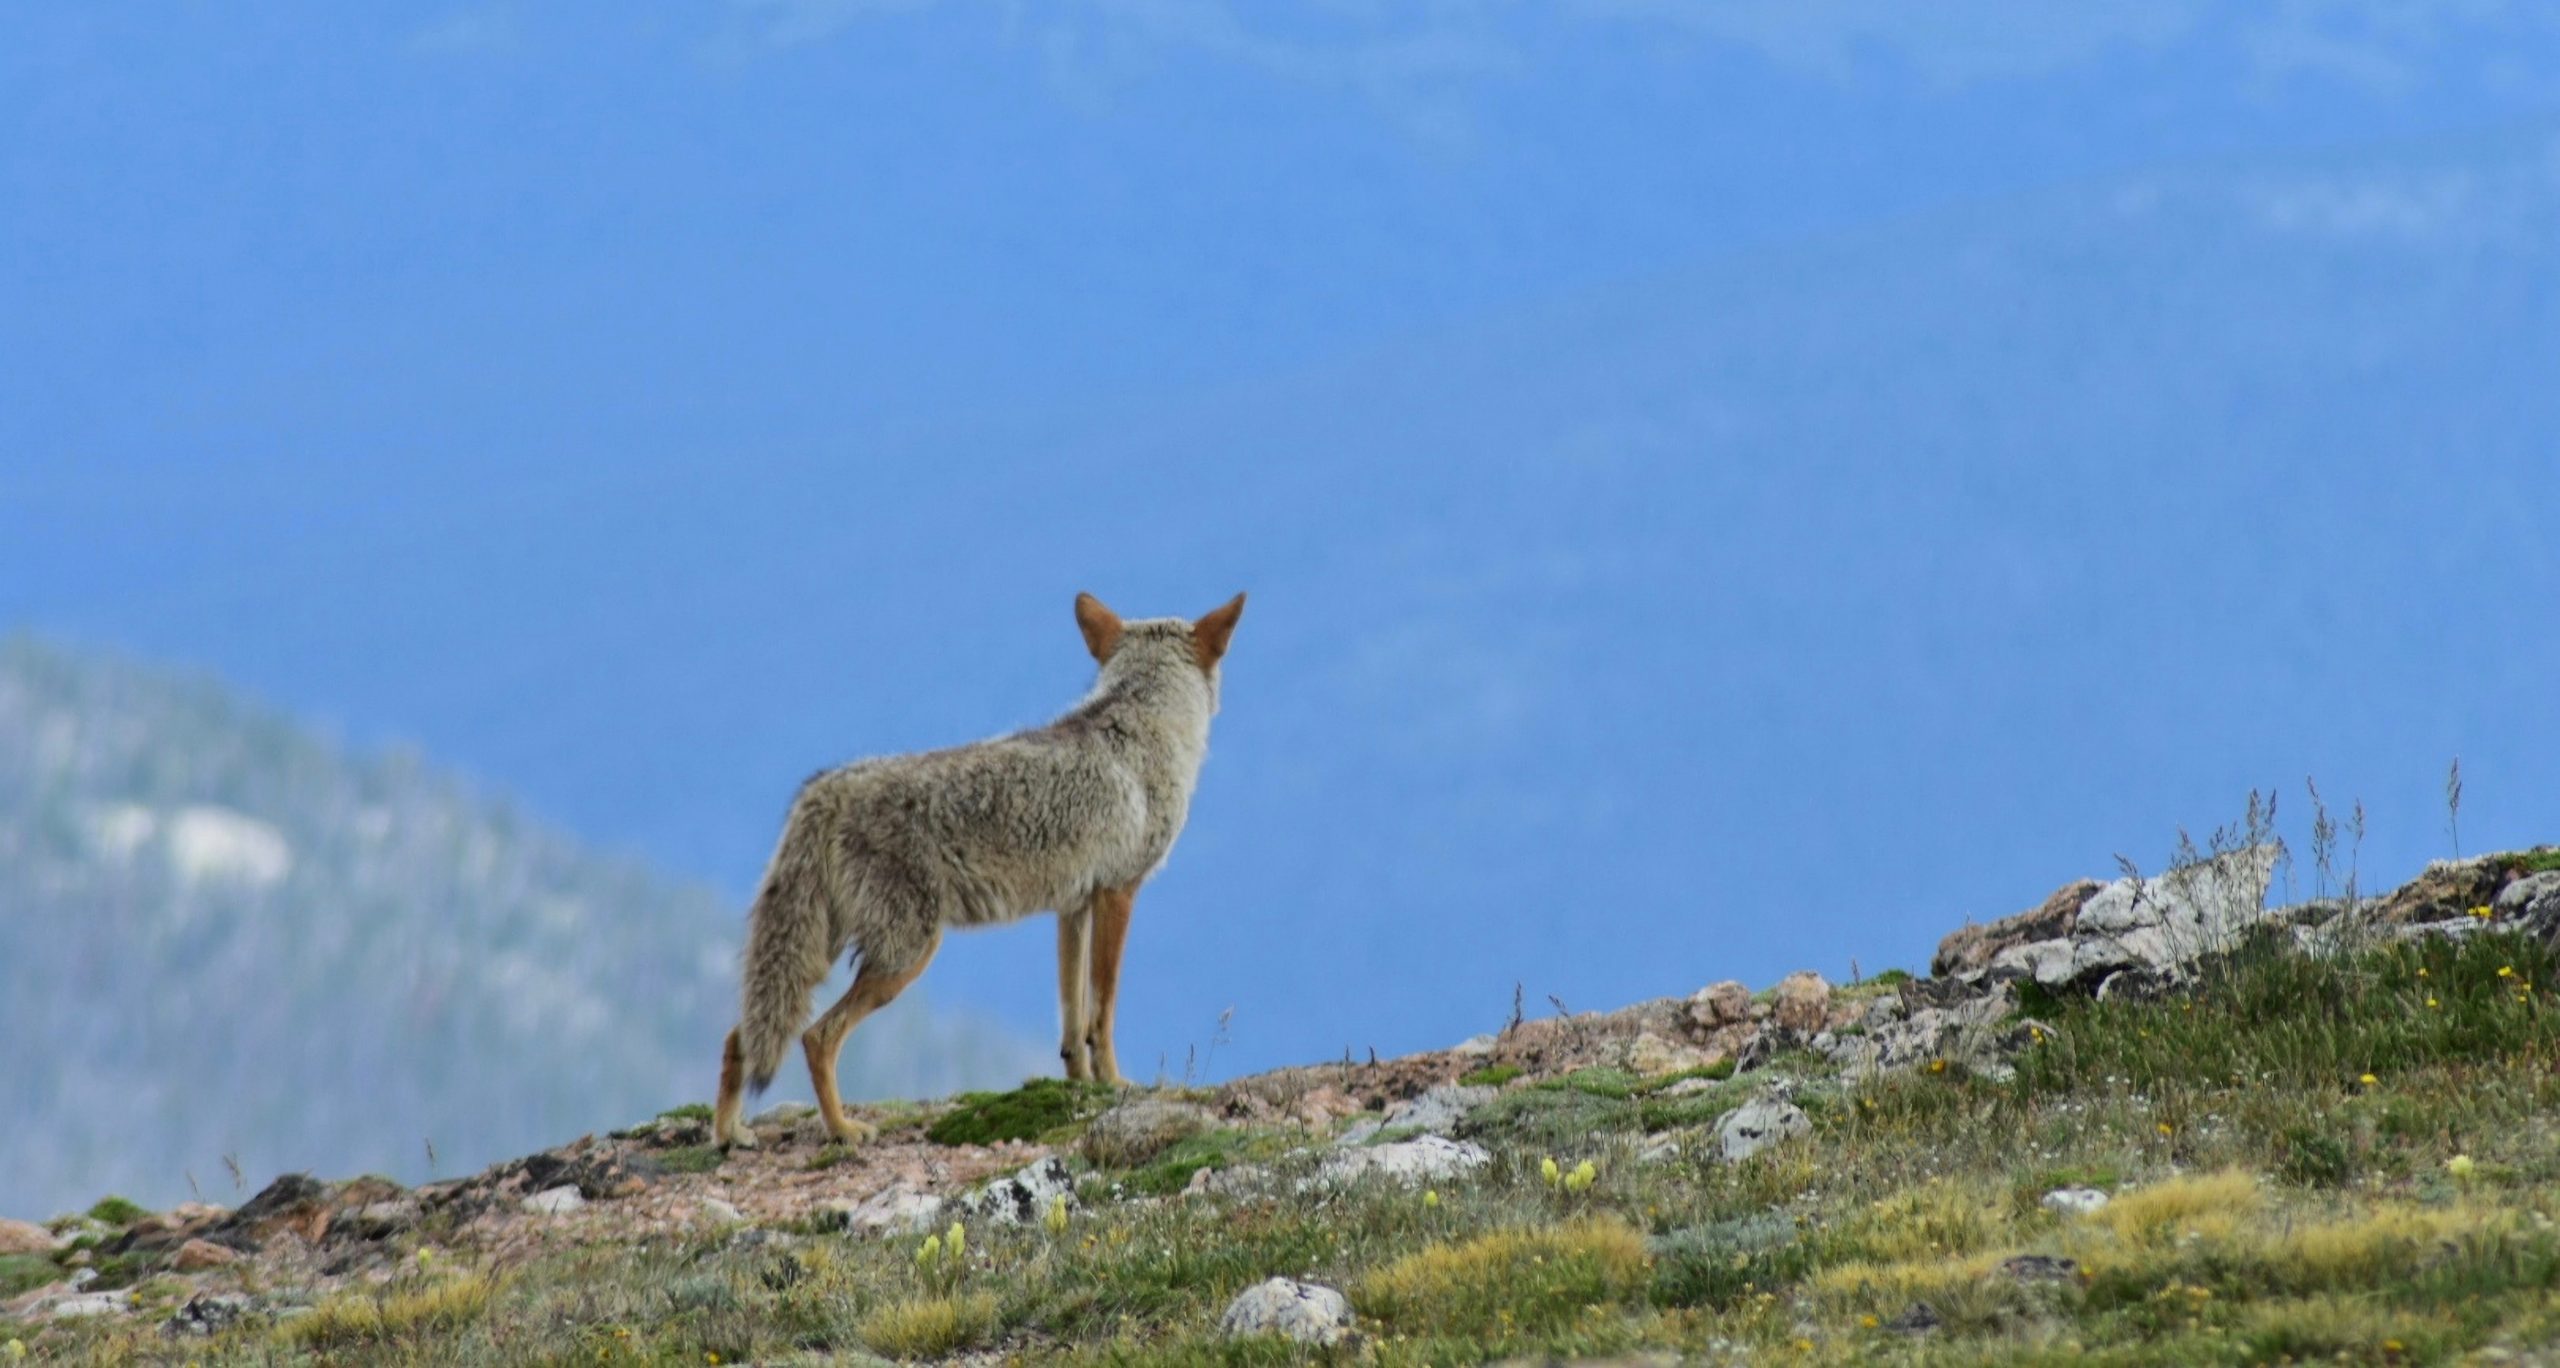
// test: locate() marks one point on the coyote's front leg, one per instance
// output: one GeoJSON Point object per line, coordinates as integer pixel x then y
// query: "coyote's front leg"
{"type": "Point", "coordinates": [1111, 908]}
{"type": "Point", "coordinates": [1075, 952]}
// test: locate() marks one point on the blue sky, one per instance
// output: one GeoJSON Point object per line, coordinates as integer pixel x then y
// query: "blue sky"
{"type": "Point", "coordinates": [1725, 487]}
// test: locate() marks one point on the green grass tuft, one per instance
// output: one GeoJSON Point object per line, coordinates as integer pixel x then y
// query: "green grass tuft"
{"type": "Point", "coordinates": [690, 1111]}
{"type": "Point", "coordinates": [690, 1158]}
{"type": "Point", "coordinates": [116, 1211]}
{"type": "Point", "coordinates": [1490, 1076]}
{"type": "Point", "coordinates": [1035, 1109]}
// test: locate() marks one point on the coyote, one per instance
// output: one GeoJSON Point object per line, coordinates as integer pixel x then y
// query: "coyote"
{"type": "Point", "coordinates": [880, 855]}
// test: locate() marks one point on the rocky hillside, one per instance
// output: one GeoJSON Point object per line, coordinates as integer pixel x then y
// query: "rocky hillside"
{"type": "Point", "coordinates": [2150, 1120]}
{"type": "Point", "coordinates": [226, 941]}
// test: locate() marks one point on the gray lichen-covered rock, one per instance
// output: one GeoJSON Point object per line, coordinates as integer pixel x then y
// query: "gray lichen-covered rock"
{"type": "Point", "coordinates": [1421, 1159]}
{"type": "Point", "coordinates": [1435, 1111]}
{"type": "Point", "coordinates": [896, 1211]}
{"type": "Point", "coordinates": [1801, 1002]}
{"type": "Point", "coordinates": [557, 1201]}
{"type": "Point", "coordinates": [1141, 1128]}
{"type": "Point", "coordinates": [1758, 1124]}
{"type": "Point", "coordinates": [2171, 920]}
{"type": "Point", "coordinates": [206, 1313]}
{"type": "Point", "coordinates": [1977, 947]}
{"type": "Point", "coordinates": [2074, 1201]}
{"type": "Point", "coordinates": [1022, 1198]}
{"type": "Point", "coordinates": [1305, 1312]}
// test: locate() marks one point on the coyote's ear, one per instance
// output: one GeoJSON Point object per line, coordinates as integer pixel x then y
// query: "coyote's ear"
{"type": "Point", "coordinates": [1101, 626]}
{"type": "Point", "coordinates": [1209, 635]}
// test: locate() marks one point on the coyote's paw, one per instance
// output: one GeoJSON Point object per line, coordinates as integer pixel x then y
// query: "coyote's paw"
{"type": "Point", "coordinates": [848, 1131]}
{"type": "Point", "coordinates": [742, 1138]}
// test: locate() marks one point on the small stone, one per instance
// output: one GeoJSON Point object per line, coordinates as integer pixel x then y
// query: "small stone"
{"type": "Point", "coordinates": [1651, 1056]}
{"type": "Point", "coordinates": [80, 1304]}
{"type": "Point", "coordinates": [1437, 1111]}
{"type": "Point", "coordinates": [1420, 1159]}
{"type": "Point", "coordinates": [382, 1220]}
{"type": "Point", "coordinates": [1687, 1087]}
{"type": "Point", "coordinates": [1473, 1045]}
{"type": "Point", "coordinates": [557, 1201]}
{"type": "Point", "coordinates": [1307, 1313]}
{"type": "Point", "coordinates": [1758, 1124]}
{"type": "Point", "coordinates": [1141, 1128]}
{"type": "Point", "coordinates": [719, 1212]}
{"type": "Point", "coordinates": [896, 1211]}
{"type": "Point", "coordinates": [1719, 1004]}
{"type": "Point", "coordinates": [19, 1237]}
{"type": "Point", "coordinates": [206, 1313]}
{"type": "Point", "coordinates": [1918, 1318]}
{"type": "Point", "coordinates": [195, 1256]}
{"type": "Point", "coordinates": [1802, 1002]}
{"type": "Point", "coordinates": [2074, 1201]}
{"type": "Point", "coordinates": [2040, 1268]}
{"type": "Point", "coordinates": [1023, 1197]}
{"type": "Point", "coordinates": [1660, 1149]}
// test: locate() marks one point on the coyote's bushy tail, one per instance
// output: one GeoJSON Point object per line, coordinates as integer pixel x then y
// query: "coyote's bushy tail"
{"type": "Point", "coordinates": [788, 954]}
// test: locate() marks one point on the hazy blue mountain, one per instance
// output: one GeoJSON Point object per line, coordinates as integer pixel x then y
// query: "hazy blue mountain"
{"type": "Point", "coordinates": [225, 937]}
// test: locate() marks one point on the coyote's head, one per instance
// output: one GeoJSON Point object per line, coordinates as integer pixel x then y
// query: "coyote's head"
{"type": "Point", "coordinates": [1154, 646]}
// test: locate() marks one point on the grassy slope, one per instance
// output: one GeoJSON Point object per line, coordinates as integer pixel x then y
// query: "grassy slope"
{"type": "Point", "coordinates": [2279, 1143]}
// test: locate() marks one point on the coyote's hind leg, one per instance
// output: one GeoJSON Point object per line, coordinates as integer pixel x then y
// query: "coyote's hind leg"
{"type": "Point", "coordinates": [875, 985]}
{"type": "Point", "coordinates": [725, 1129]}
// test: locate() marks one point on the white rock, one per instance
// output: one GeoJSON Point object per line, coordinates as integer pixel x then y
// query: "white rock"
{"type": "Point", "coordinates": [2170, 920]}
{"type": "Point", "coordinates": [1304, 1312]}
{"type": "Point", "coordinates": [2074, 1201]}
{"type": "Point", "coordinates": [2047, 962]}
{"type": "Point", "coordinates": [1473, 1045]}
{"type": "Point", "coordinates": [1420, 1159]}
{"type": "Point", "coordinates": [90, 1304]}
{"type": "Point", "coordinates": [1758, 1124]}
{"type": "Point", "coordinates": [895, 1211]}
{"type": "Point", "coordinates": [1024, 1197]}
{"type": "Point", "coordinates": [557, 1201]}
{"type": "Point", "coordinates": [1436, 1111]}
{"type": "Point", "coordinates": [713, 1209]}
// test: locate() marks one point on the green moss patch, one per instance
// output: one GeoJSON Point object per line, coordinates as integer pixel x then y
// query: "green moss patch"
{"type": "Point", "coordinates": [1034, 1110]}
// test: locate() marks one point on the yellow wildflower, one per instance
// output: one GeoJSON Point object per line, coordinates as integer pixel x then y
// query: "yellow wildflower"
{"type": "Point", "coordinates": [2370, 1081]}
{"type": "Point", "coordinates": [1583, 1176]}
{"type": "Point", "coordinates": [2166, 1129]}
{"type": "Point", "coordinates": [1056, 1219]}
{"type": "Point", "coordinates": [2460, 1166]}
{"type": "Point", "coordinates": [2506, 971]}
{"type": "Point", "coordinates": [1937, 1066]}
{"type": "Point", "coordinates": [1431, 1198]}
{"type": "Point", "coordinates": [2431, 1003]}
{"type": "Point", "coordinates": [955, 1239]}
{"type": "Point", "coordinates": [930, 1250]}
{"type": "Point", "coordinates": [1548, 1170]}
{"type": "Point", "coordinates": [2481, 912]}
{"type": "Point", "coordinates": [1869, 1322]}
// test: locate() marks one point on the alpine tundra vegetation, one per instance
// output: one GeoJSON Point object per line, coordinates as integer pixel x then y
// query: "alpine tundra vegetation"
{"type": "Point", "coordinates": [2148, 1121]}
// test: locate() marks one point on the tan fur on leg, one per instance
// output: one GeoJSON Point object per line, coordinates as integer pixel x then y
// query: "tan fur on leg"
{"type": "Point", "coordinates": [872, 990]}
{"type": "Point", "coordinates": [1075, 952]}
{"type": "Point", "coordinates": [1111, 908]}
{"type": "Point", "coordinates": [725, 1130]}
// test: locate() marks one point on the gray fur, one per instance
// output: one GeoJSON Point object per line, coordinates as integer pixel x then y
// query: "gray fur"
{"type": "Point", "coordinates": [879, 855]}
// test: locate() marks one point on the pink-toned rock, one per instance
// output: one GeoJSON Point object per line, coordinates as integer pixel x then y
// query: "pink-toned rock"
{"type": "Point", "coordinates": [1974, 947]}
{"type": "Point", "coordinates": [18, 1237]}
{"type": "Point", "coordinates": [195, 1256]}
{"type": "Point", "coordinates": [1719, 1004]}
{"type": "Point", "coordinates": [1802, 1002]}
